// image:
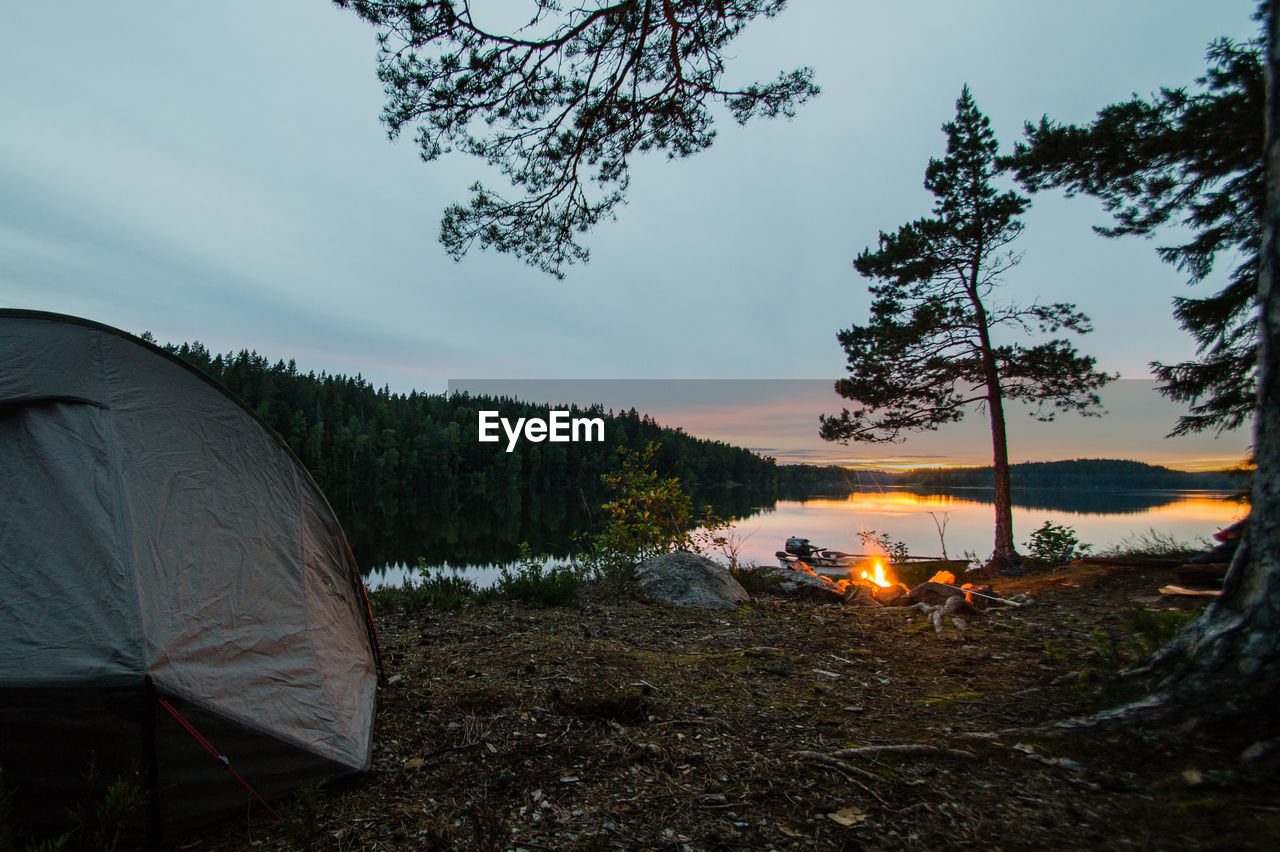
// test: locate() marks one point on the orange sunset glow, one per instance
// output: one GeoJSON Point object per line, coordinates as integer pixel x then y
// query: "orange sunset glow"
{"type": "Point", "coordinates": [781, 421]}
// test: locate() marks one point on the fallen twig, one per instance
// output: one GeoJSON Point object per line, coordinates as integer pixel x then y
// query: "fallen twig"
{"type": "Point", "coordinates": [998, 600]}
{"type": "Point", "coordinates": [851, 773]}
{"type": "Point", "coordinates": [711, 720]}
{"type": "Point", "coordinates": [840, 765]}
{"type": "Point", "coordinates": [907, 748]}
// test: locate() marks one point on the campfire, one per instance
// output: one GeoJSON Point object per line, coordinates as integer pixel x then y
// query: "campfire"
{"type": "Point", "coordinates": [871, 583]}
{"type": "Point", "coordinates": [875, 583]}
{"type": "Point", "coordinates": [877, 577]}
{"type": "Point", "coordinates": [889, 593]}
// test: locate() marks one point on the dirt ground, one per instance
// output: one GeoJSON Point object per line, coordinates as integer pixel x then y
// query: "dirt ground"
{"type": "Point", "coordinates": [625, 725]}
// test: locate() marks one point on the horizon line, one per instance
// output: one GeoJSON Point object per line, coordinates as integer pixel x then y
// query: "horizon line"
{"type": "Point", "coordinates": [892, 465]}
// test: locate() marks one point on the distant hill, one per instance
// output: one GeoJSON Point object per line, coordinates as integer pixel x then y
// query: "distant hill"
{"type": "Point", "coordinates": [1074, 474]}
{"type": "Point", "coordinates": [1080, 474]}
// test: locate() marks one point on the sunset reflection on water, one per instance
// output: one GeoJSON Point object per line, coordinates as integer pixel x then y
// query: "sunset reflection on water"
{"type": "Point", "coordinates": [835, 522]}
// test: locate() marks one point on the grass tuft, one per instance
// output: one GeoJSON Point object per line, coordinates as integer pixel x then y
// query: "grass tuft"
{"type": "Point", "coordinates": [1153, 544]}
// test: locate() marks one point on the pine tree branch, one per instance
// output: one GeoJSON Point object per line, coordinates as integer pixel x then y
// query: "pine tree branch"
{"type": "Point", "coordinates": [560, 115]}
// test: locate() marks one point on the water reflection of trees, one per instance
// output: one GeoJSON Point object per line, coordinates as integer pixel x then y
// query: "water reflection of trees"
{"type": "Point", "coordinates": [486, 527]}
{"type": "Point", "coordinates": [1078, 501]}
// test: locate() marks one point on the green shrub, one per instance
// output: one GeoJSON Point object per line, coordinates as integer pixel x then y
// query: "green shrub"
{"type": "Point", "coordinates": [1055, 544]}
{"type": "Point", "coordinates": [649, 514]}
{"type": "Point", "coordinates": [612, 572]}
{"type": "Point", "coordinates": [533, 581]}
{"type": "Point", "coordinates": [124, 797]}
{"type": "Point", "coordinates": [9, 832]}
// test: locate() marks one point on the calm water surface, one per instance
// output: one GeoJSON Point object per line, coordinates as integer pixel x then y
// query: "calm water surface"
{"type": "Point", "coordinates": [910, 517]}
{"type": "Point", "coordinates": [1102, 519]}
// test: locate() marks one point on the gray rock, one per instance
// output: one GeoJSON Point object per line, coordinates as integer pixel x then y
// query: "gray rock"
{"type": "Point", "coordinates": [688, 579]}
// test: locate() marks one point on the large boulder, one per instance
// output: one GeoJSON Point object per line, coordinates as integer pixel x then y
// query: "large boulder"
{"type": "Point", "coordinates": [688, 579]}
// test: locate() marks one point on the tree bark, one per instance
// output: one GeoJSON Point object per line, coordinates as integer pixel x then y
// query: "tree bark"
{"type": "Point", "coordinates": [1000, 469]}
{"type": "Point", "coordinates": [1265, 526]}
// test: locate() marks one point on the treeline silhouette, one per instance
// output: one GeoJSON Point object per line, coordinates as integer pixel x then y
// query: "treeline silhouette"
{"type": "Point", "coordinates": [1075, 474]}
{"type": "Point", "coordinates": [408, 476]}
{"type": "Point", "coordinates": [1068, 475]}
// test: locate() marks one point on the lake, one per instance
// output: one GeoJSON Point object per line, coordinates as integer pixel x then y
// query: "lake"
{"type": "Point", "coordinates": [1102, 519]}
{"type": "Point", "coordinates": [909, 517]}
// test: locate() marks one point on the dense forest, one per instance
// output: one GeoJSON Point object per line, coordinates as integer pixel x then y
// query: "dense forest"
{"type": "Point", "coordinates": [407, 473]}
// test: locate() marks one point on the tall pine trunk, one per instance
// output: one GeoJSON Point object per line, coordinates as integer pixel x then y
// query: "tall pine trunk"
{"type": "Point", "coordinates": [1265, 533]}
{"type": "Point", "coordinates": [1000, 468]}
{"type": "Point", "coordinates": [995, 408]}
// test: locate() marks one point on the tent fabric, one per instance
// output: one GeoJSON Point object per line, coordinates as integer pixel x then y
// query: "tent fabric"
{"type": "Point", "coordinates": [155, 535]}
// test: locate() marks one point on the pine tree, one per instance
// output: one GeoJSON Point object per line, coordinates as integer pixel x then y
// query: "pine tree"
{"type": "Point", "coordinates": [561, 106]}
{"type": "Point", "coordinates": [928, 353]}
{"type": "Point", "coordinates": [1181, 158]}
{"type": "Point", "coordinates": [1226, 663]}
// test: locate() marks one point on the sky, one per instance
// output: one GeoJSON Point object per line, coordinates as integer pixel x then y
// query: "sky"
{"type": "Point", "coordinates": [779, 418]}
{"type": "Point", "coordinates": [218, 172]}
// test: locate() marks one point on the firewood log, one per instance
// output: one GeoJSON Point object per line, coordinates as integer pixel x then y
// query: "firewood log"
{"type": "Point", "coordinates": [934, 594]}
{"type": "Point", "coordinates": [892, 596]}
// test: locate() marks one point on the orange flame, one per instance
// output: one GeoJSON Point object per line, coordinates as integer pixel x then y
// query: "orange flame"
{"type": "Point", "coordinates": [878, 578]}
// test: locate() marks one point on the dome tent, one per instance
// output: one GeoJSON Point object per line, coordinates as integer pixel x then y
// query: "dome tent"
{"type": "Point", "coordinates": [170, 574]}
